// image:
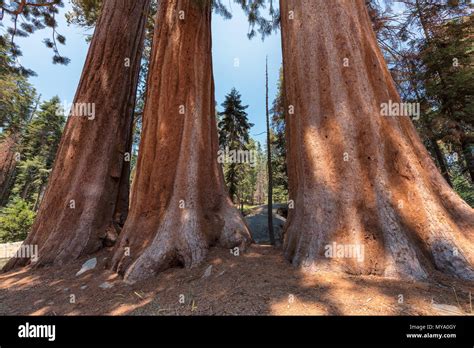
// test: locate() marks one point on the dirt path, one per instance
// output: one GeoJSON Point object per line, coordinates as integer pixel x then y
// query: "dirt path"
{"type": "Point", "coordinates": [259, 282]}
{"type": "Point", "coordinates": [257, 220]}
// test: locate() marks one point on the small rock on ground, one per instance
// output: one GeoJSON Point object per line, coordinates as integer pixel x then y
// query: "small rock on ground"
{"type": "Point", "coordinates": [207, 272]}
{"type": "Point", "coordinates": [87, 266]}
{"type": "Point", "coordinates": [106, 285]}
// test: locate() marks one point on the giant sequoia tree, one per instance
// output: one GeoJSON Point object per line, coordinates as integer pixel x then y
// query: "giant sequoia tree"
{"type": "Point", "coordinates": [85, 189]}
{"type": "Point", "coordinates": [356, 177]}
{"type": "Point", "coordinates": [179, 203]}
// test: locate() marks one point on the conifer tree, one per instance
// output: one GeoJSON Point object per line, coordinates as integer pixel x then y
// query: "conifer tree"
{"type": "Point", "coordinates": [233, 136]}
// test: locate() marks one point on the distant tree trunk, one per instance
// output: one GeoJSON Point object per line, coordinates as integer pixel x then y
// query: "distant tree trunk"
{"type": "Point", "coordinates": [467, 143]}
{"type": "Point", "coordinates": [271, 232]}
{"type": "Point", "coordinates": [39, 197]}
{"type": "Point", "coordinates": [122, 203]}
{"type": "Point", "coordinates": [26, 188]}
{"type": "Point", "coordinates": [84, 186]}
{"type": "Point", "coordinates": [7, 166]}
{"type": "Point", "coordinates": [359, 179]}
{"type": "Point", "coordinates": [179, 203]}
{"type": "Point", "coordinates": [441, 161]}
{"type": "Point", "coordinates": [232, 180]}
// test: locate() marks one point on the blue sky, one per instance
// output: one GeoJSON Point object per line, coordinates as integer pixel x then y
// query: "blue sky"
{"type": "Point", "coordinates": [230, 45]}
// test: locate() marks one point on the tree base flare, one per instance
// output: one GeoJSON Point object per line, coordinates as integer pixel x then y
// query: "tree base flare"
{"type": "Point", "coordinates": [179, 204]}
{"type": "Point", "coordinates": [182, 239]}
{"type": "Point", "coordinates": [359, 179]}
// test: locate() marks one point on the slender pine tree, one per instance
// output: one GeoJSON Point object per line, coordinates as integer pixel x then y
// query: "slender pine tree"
{"type": "Point", "coordinates": [233, 136]}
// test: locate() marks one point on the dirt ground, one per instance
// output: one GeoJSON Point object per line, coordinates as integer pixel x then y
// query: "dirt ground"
{"type": "Point", "coordinates": [259, 282]}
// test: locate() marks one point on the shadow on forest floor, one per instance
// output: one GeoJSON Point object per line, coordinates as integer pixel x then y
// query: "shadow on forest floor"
{"type": "Point", "coordinates": [259, 282]}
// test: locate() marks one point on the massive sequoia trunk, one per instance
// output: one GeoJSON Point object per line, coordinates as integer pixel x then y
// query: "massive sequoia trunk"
{"type": "Point", "coordinates": [7, 166]}
{"type": "Point", "coordinates": [179, 203]}
{"type": "Point", "coordinates": [83, 190]}
{"type": "Point", "coordinates": [359, 179]}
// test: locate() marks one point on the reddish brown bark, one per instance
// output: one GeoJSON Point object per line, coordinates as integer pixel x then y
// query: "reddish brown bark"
{"type": "Point", "coordinates": [179, 203]}
{"type": "Point", "coordinates": [89, 166]}
{"type": "Point", "coordinates": [7, 166]}
{"type": "Point", "coordinates": [356, 177]}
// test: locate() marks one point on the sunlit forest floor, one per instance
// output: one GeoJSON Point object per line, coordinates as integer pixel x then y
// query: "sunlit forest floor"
{"type": "Point", "coordinates": [258, 282]}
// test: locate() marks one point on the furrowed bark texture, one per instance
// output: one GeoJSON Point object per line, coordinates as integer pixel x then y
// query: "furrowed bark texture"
{"type": "Point", "coordinates": [7, 166]}
{"type": "Point", "coordinates": [179, 204]}
{"type": "Point", "coordinates": [358, 178]}
{"type": "Point", "coordinates": [84, 186]}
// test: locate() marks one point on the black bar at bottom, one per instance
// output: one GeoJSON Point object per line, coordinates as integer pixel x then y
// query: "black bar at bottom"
{"type": "Point", "coordinates": [135, 331]}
